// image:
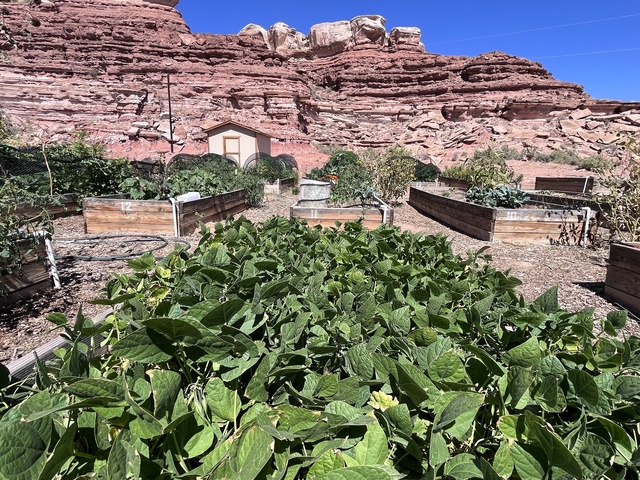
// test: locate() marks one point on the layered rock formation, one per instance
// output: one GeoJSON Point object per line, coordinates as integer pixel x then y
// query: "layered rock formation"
{"type": "Point", "coordinates": [102, 66]}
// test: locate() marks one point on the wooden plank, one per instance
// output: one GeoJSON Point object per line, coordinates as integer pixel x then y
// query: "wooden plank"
{"type": "Point", "coordinates": [540, 215]}
{"type": "Point", "coordinates": [371, 218]}
{"type": "Point", "coordinates": [454, 183]}
{"type": "Point", "coordinates": [627, 281]}
{"type": "Point", "coordinates": [625, 255]}
{"type": "Point", "coordinates": [565, 184]}
{"type": "Point", "coordinates": [478, 210]}
{"type": "Point", "coordinates": [567, 201]}
{"type": "Point", "coordinates": [631, 302]}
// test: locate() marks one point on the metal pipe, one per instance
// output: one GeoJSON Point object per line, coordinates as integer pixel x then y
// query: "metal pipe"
{"type": "Point", "coordinates": [53, 269]}
{"type": "Point", "coordinates": [174, 209]}
{"type": "Point", "coordinates": [587, 221]}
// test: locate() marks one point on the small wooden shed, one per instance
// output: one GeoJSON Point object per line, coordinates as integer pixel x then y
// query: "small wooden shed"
{"type": "Point", "coordinates": [237, 141]}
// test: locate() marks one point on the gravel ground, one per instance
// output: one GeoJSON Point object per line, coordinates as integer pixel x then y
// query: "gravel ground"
{"type": "Point", "coordinates": [578, 272]}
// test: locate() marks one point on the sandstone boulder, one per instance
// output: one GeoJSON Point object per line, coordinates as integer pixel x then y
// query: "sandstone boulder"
{"type": "Point", "coordinates": [409, 36]}
{"type": "Point", "coordinates": [330, 38]}
{"type": "Point", "coordinates": [256, 32]}
{"type": "Point", "coordinates": [369, 29]}
{"type": "Point", "coordinates": [283, 37]}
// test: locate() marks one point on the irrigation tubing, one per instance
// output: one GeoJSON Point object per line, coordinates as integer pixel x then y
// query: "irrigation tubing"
{"type": "Point", "coordinates": [97, 239]}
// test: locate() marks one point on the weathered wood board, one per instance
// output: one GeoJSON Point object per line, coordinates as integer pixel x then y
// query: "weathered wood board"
{"type": "Point", "coordinates": [550, 226]}
{"type": "Point", "coordinates": [565, 184]}
{"type": "Point", "coordinates": [371, 217]}
{"type": "Point", "coordinates": [453, 183]}
{"type": "Point", "coordinates": [280, 187]}
{"type": "Point", "coordinates": [33, 276]}
{"type": "Point", "coordinates": [623, 275]}
{"type": "Point", "coordinates": [119, 214]}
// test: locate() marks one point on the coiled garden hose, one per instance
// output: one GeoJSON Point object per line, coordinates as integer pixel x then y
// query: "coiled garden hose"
{"type": "Point", "coordinates": [98, 239]}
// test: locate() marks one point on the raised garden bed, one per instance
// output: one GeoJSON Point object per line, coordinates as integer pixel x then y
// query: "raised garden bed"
{"type": "Point", "coordinates": [453, 183]}
{"type": "Point", "coordinates": [527, 225]}
{"type": "Point", "coordinates": [120, 214]}
{"type": "Point", "coordinates": [371, 216]}
{"type": "Point", "coordinates": [280, 186]}
{"type": "Point", "coordinates": [34, 275]}
{"type": "Point", "coordinates": [68, 205]}
{"type": "Point", "coordinates": [623, 275]}
{"type": "Point", "coordinates": [583, 185]}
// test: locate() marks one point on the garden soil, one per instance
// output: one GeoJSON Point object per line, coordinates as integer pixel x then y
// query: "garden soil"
{"type": "Point", "coordinates": [579, 273]}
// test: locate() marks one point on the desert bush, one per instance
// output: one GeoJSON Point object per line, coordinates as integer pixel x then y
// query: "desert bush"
{"type": "Point", "coordinates": [391, 171]}
{"type": "Point", "coordinates": [570, 157]}
{"type": "Point", "coordinates": [621, 197]}
{"type": "Point", "coordinates": [426, 172]}
{"type": "Point", "coordinates": [486, 168]}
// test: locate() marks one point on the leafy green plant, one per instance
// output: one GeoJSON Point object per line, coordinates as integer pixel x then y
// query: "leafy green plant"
{"type": "Point", "coordinates": [352, 182]}
{"type": "Point", "coordinates": [503, 196]}
{"type": "Point", "coordinates": [391, 171]}
{"type": "Point", "coordinates": [620, 200]}
{"type": "Point", "coordinates": [284, 351]}
{"type": "Point", "coordinates": [488, 168]}
{"type": "Point", "coordinates": [426, 172]}
{"type": "Point", "coordinates": [272, 169]}
{"type": "Point", "coordinates": [570, 157]}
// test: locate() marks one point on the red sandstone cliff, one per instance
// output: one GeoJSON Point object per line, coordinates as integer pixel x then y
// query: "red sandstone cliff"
{"type": "Point", "coordinates": [101, 65]}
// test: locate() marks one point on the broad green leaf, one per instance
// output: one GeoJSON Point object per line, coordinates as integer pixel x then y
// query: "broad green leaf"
{"type": "Point", "coordinates": [627, 386]}
{"type": "Point", "coordinates": [145, 346]}
{"type": "Point", "coordinates": [373, 448]}
{"type": "Point", "coordinates": [223, 402]}
{"type": "Point", "coordinates": [23, 448]}
{"type": "Point", "coordinates": [456, 412]}
{"type": "Point", "coordinates": [524, 355]}
{"type": "Point", "coordinates": [558, 455]}
{"type": "Point", "coordinates": [63, 451]}
{"type": "Point", "coordinates": [503, 462]}
{"type": "Point", "coordinates": [362, 473]}
{"type": "Point", "coordinates": [343, 409]}
{"type": "Point", "coordinates": [253, 450]}
{"type": "Point", "coordinates": [529, 462]}
{"type": "Point", "coordinates": [623, 443]}
{"type": "Point", "coordinates": [512, 426]}
{"type": "Point", "coordinates": [618, 319]}
{"type": "Point", "coordinates": [96, 387]}
{"type": "Point", "coordinates": [327, 386]}
{"type": "Point", "coordinates": [174, 328]}
{"type": "Point", "coordinates": [438, 450]}
{"type": "Point", "coordinates": [550, 365]}
{"type": "Point", "coordinates": [584, 387]}
{"type": "Point", "coordinates": [211, 314]}
{"type": "Point", "coordinates": [326, 463]}
{"type": "Point", "coordinates": [414, 383]}
{"type": "Point", "coordinates": [548, 301]}
{"type": "Point", "coordinates": [165, 386]}
{"type": "Point", "coordinates": [447, 368]}
{"type": "Point", "coordinates": [595, 454]}
{"type": "Point", "coordinates": [360, 361]}
{"type": "Point", "coordinates": [550, 396]}
{"type": "Point", "coordinates": [519, 380]}
{"type": "Point", "coordinates": [463, 467]}
{"type": "Point", "coordinates": [400, 418]}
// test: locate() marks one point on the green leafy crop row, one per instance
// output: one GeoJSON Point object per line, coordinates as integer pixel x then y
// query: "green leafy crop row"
{"type": "Point", "coordinates": [285, 352]}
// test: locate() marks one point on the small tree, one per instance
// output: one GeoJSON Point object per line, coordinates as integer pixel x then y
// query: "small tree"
{"type": "Point", "coordinates": [392, 171]}
{"type": "Point", "coordinates": [621, 199]}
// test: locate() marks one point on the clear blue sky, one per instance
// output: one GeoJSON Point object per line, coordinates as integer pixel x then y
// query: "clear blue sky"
{"type": "Point", "coordinates": [595, 43]}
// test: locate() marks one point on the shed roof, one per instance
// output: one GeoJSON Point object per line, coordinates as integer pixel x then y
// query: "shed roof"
{"type": "Point", "coordinates": [214, 126]}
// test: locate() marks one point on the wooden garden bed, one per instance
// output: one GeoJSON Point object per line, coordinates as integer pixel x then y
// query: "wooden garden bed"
{"type": "Point", "coordinates": [280, 186]}
{"type": "Point", "coordinates": [623, 275]}
{"type": "Point", "coordinates": [583, 185]}
{"type": "Point", "coordinates": [371, 216]}
{"type": "Point", "coordinates": [119, 214]}
{"type": "Point", "coordinates": [33, 277]}
{"type": "Point", "coordinates": [453, 183]}
{"type": "Point", "coordinates": [68, 205]}
{"type": "Point", "coordinates": [527, 225]}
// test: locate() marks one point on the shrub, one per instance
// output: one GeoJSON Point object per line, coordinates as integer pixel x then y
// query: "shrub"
{"type": "Point", "coordinates": [426, 172]}
{"type": "Point", "coordinates": [488, 168]}
{"type": "Point", "coordinates": [351, 180]}
{"type": "Point", "coordinates": [272, 169]}
{"type": "Point", "coordinates": [503, 196]}
{"type": "Point", "coordinates": [621, 198]}
{"type": "Point", "coordinates": [391, 171]}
